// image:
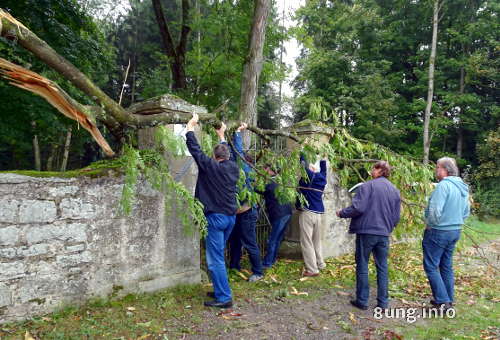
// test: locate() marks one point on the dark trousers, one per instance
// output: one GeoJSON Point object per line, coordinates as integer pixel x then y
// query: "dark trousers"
{"type": "Point", "coordinates": [379, 246]}
{"type": "Point", "coordinates": [243, 235]}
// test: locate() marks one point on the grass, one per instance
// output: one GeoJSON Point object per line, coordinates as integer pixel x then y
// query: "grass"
{"type": "Point", "coordinates": [175, 312]}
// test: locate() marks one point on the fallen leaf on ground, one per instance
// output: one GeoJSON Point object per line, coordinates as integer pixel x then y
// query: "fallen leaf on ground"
{"type": "Point", "coordinates": [242, 276]}
{"type": "Point", "coordinates": [27, 336]}
{"type": "Point", "coordinates": [303, 279]}
{"type": "Point", "coordinates": [131, 309]}
{"type": "Point", "coordinates": [352, 318]}
{"type": "Point", "coordinates": [144, 337]}
{"type": "Point", "coordinates": [337, 286]}
{"type": "Point", "coordinates": [273, 278]}
{"type": "Point", "coordinates": [390, 335]}
{"type": "Point", "coordinates": [144, 324]}
{"type": "Point", "coordinates": [296, 292]}
{"type": "Point", "coordinates": [343, 293]}
{"type": "Point", "coordinates": [246, 271]}
{"type": "Point", "coordinates": [310, 325]}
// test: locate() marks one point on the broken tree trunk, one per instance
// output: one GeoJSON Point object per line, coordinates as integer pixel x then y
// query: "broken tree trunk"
{"type": "Point", "coordinates": [149, 113]}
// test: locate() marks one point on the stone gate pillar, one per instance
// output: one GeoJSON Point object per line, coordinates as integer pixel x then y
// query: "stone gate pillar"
{"type": "Point", "coordinates": [336, 240]}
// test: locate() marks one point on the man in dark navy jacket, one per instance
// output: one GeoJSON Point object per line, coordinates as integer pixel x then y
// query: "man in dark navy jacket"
{"type": "Point", "coordinates": [216, 190]}
{"type": "Point", "coordinates": [279, 216]}
{"type": "Point", "coordinates": [310, 217]}
{"type": "Point", "coordinates": [375, 211]}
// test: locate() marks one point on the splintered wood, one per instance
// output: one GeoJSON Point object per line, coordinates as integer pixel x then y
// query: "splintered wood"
{"type": "Point", "coordinates": [33, 82]}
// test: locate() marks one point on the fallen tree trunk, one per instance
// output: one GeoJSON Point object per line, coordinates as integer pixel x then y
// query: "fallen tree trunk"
{"type": "Point", "coordinates": [161, 110]}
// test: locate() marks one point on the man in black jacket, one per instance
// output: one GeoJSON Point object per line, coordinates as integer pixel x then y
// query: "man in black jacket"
{"type": "Point", "coordinates": [375, 211]}
{"type": "Point", "coordinates": [216, 190]}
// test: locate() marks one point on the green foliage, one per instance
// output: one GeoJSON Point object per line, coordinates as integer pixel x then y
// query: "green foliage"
{"type": "Point", "coordinates": [153, 166]}
{"type": "Point", "coordinates": [366, 62]}
{"type": "Point", "coordinates": [486, 177]}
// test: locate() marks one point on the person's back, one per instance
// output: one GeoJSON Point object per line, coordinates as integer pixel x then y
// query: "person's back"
{"type": "Point", "coordinates": [216, 184]}
{"type": "Point", "coordinates": [374, 212]}
{"type": "Point", "coordinates": [449, 205]}
{"type": "Point", "coordinates": [216, 189]}
{"type": "Point", "coordinates": [376, 209]}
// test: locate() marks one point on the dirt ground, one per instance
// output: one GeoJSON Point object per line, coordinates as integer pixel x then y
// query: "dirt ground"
{"type": "Point", "coordinates": [328, 317]}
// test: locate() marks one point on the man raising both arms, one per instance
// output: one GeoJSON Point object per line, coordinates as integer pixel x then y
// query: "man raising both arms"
{"type": "Point", "coordinates": [216, 190]}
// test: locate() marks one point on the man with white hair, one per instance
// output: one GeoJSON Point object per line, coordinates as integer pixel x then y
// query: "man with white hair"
{"type": "Point", "coordinates": [446, 211]}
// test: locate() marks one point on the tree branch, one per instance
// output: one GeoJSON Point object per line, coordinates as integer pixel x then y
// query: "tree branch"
{"type": "Point", "coordinates": [56, 96]}
{"type": "Point", "coordinates": [13, 29]}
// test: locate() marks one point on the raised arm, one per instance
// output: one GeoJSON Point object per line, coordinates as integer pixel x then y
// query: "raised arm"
{"type": "Point", "coordinates": [359, 203]}
{"type": "Point", "coordinates": [192, 144]}
{"type": "Point", "coordinates": [237, 147]}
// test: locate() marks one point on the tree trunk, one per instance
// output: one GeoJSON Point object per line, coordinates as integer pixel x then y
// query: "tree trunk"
{"type": "Point", "coordinates": [52, 155]}
{"type": "Point", "coordinates": [67, 144]}
{"type": "Point", "coordinates": [177, 54]}
{"type": "Point", "coordinates": [253, 66]}
{"type": "Point", "coordinates": [430, 90]}
{"type": "Point", "coordinates": [460, 130]}
{"type": "Point", "coordinates": [36, 148]}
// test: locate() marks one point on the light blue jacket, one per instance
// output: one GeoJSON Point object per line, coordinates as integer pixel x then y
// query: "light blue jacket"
{"type": "Point", "coordinates": [448, 205]}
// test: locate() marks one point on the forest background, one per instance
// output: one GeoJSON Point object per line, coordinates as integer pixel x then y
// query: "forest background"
{"type": "Point", "coordinates": [365, 62]}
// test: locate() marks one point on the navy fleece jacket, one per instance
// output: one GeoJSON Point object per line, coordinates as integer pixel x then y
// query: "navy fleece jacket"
{"type": "Point", "coordinates": [375, 208]}
{"type": "Point", "coordinates": [317, 182]}
{"type": "Point", "coordinates": [216, 184]}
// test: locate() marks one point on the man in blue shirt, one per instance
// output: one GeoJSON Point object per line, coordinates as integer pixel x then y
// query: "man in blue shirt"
{"type": "Point", "coordinates": [216, 190]}
{"type": "Point", "coordinates": [446, 211]}
{"type": "Point", "coordinates": [244, 233]}
{"type": "Point", "coordinates": [375, 211]}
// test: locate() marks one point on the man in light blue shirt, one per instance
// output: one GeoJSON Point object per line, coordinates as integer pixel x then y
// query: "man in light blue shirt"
{"type": "Point", "coordinates": [447, 209]}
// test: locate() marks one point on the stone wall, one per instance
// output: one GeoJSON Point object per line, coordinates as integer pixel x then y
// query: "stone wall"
{"type": "Point", "coordinates": [63, 241]}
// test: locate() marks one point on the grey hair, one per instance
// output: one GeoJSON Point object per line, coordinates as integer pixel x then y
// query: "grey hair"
{"type": "Point", "coordinates": [449, 164]}
{"type": "Point", "coordinates": [221, 151]}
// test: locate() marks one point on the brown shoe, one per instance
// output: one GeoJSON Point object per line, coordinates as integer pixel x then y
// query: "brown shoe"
{"type": "Point", "coordinates": [309, 274]}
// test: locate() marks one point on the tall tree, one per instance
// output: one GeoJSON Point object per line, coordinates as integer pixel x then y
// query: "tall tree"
{"type": "Point", "coordinates": [253, 64]}
{"type": "Point", "coordinates": [176, 53]}
{"type": "Point", "coordinates": [430, 90]}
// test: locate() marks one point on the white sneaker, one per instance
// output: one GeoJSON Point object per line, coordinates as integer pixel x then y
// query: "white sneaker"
{"type": "Point", "coordinates": [254, 278]}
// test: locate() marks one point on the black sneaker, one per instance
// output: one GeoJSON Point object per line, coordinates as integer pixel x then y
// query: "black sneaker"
{"type": "Point", "coordinates": [214, 303]}
{"type": "Point", "coordinates": [358, 305]}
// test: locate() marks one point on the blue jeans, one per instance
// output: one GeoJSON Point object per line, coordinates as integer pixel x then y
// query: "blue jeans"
{"type": "Point", "coordinates": [243, 235]}
{"type": "Point", "coordinates": [219, 229]}
{"type": "Point", "coordinates": [438, 247]}
{"type": "Point", "coordinates": [278, 228]}
{"type": "Point", "coordinates": [379, 246]}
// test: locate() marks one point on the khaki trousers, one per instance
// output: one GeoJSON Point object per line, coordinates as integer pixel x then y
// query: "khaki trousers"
{"type": "Point", "coordinates": [310, 240]}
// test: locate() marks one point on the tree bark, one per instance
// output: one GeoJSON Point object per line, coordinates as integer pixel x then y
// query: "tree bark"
{"type": "Point", "coordinates": [67, 144]}
{"type": "Point", "coordinates": [36, 148]}
{"type": "Point", "coordinates": [253, 66]}
{"type": "Point", "coordinates": [177, 54]}
{"type": "Point", "coordinates": [460, 131]}
{"type": "Point", "coordinates": [52, 154]}
{"type": "Point", "coordinates": [430, 89]}
{"type": "Point", "coordinates": [45, 53]}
